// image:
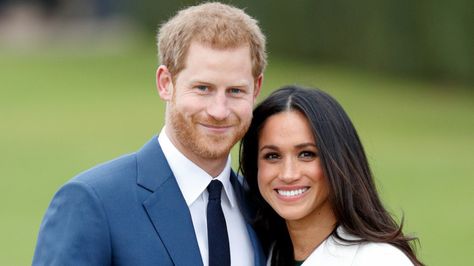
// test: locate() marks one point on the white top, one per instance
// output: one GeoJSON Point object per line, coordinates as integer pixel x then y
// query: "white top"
{"type": "Point", "coordinates": [193, 182]}
{"type": "Point", "coordinates": [335, 252]}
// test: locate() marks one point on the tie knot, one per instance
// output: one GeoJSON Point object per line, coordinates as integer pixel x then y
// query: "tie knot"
{"type": "Point", "coordinates": [214, 189]}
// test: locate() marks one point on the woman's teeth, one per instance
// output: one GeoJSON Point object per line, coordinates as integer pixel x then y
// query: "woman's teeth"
{"type": "Point", "coordinates": [291, 193]}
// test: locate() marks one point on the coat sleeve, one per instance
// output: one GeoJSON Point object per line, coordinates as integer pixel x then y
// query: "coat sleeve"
{"type": "Point", "coordinates": [74, 230]}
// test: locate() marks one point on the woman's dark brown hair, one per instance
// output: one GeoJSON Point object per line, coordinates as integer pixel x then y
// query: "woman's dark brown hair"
{"type": "Point", "coordinates": [352, 191]}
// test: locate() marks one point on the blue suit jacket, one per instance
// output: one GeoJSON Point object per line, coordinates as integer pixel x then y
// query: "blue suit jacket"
{"type": "Point", "coordinates": [129, 211]}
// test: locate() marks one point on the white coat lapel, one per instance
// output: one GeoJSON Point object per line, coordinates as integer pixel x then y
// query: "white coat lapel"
{"type": "Point", "coordinates": [333, 252]}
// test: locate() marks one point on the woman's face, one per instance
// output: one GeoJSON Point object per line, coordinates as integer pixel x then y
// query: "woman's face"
{"type": "Point", "coordinates": [290, 176]}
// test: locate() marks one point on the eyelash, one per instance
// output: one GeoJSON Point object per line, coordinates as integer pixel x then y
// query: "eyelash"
{"type": "Point", "coordinates": [235, 91]}
{"type": "Point", "coordinates": [308, 154]}
{"type": "Point", "coordinates": [304, 155]}
{"type": "Point", "coordinates": [202, 87]}
{"type": "Point", "coordinates": [271, 156]}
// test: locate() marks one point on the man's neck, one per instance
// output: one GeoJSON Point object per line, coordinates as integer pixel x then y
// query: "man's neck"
{"type": "Point", "coordinates": [212, 166]}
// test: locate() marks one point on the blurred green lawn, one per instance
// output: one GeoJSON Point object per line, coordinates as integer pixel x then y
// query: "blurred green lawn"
{"type": "Point", "coordinates": [63, 111]}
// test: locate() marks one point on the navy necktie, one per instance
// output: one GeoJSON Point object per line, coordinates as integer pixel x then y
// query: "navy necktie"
{"type": "Point", "coordinates": [218, 240]}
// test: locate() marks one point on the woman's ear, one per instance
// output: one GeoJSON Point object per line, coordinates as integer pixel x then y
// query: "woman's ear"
{"type": "Point", "coordinates": [164, 83]}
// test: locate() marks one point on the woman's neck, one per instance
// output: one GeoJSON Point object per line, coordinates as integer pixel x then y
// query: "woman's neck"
{"type": "Point", "coordinates": [308, 233]}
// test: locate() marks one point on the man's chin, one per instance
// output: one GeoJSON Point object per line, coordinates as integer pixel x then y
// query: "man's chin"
{"type": "Point", "coordinates": [214, 149]}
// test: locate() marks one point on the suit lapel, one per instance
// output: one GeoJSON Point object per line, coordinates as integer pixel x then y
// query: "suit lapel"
{"type": "Point", "coordinates": [259, 256]}
{"type": "Point", "coordinates": [171, 218]}
{"type": "Point", "coordinates": [166, 206]}
{"type": "Point", "coordinates": [247, 212]}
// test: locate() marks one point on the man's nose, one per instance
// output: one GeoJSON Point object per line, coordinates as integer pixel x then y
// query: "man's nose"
{"type": "Point", "coordinates": [218, 107]}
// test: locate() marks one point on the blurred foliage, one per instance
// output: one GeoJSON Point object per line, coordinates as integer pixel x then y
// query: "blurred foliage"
{"type": "Point", "coordinates": [433, 39]}
{"type": "Point", "coordinates": [65, 110]}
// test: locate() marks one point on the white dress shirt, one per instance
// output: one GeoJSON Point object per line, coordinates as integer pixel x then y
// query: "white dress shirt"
{"type": "Point", "coordinates": [193, 182]}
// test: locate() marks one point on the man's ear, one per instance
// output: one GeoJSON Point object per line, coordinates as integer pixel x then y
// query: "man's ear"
{"type": "Point", "coordinates": [164, 83]}
{"type": "Point", "coordinates": [258, 86]}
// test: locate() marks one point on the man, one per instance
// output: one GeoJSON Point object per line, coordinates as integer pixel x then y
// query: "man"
{"type": "Point", "coordinates": [151, 207]}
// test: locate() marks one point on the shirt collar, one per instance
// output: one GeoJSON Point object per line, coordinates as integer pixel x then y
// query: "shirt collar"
{"type": "Point", "coordinates": [193, 180]}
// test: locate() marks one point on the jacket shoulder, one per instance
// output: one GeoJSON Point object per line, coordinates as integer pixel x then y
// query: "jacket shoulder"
{"type": "Point", "coordinates": [108, 173]}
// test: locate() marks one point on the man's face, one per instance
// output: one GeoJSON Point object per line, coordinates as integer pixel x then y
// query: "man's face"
{"type": "Point", "coordinates": [211, 102]}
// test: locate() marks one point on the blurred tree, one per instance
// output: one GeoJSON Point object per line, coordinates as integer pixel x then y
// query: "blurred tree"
{"type": "Point", "coordinates": [428, 38]}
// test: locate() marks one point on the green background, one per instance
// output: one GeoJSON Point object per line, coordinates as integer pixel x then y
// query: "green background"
{"type": "Point", "coordinates": [75, 90]}
{"type": "Point", "coordinates": [65, 110]}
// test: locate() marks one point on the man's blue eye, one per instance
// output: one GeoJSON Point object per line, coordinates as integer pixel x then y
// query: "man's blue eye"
{"type": "Point", "coordinates": [235, 90]}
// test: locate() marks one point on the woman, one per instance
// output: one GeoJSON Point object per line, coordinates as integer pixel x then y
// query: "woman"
{"type": "Point", "coordinates": [309, 176]}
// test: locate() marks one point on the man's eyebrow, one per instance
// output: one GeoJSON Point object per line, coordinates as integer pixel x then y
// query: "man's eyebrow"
{"type": "Point", "coordinates": [197, 81]}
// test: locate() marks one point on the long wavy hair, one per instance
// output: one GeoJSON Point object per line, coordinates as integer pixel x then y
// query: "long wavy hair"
{"type": "Point", "coordinates": [352, 192]}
